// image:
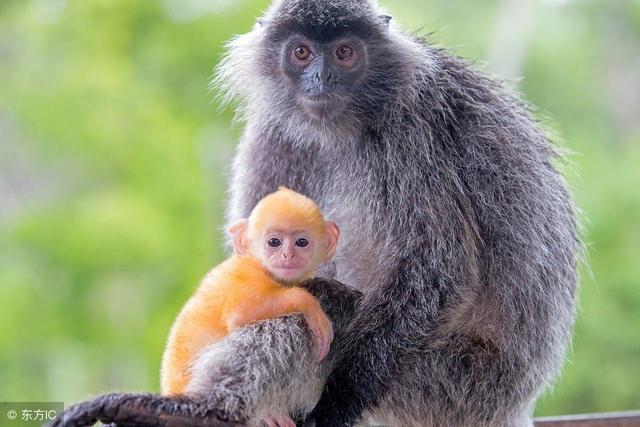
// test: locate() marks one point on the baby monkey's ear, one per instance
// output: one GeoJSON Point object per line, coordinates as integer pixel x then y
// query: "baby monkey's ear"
{"type": "Point", "coordinates": [238, 231]}
{"type": "Point", "coordinates": [333, 233]}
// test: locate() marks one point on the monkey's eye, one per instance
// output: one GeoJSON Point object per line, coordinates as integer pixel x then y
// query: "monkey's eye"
{"type": "Point", "coordinates": [302, 243]}
{"type": "Point", "coordinates": [301, 52]}
{"type": "Point", "coordinates": [274, 242]}
{"type": "Point", "coordinates": [344, 53]}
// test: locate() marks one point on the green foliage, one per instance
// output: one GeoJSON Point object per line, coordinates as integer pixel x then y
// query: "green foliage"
{"type": "Point", "coordinates": [112, 162]}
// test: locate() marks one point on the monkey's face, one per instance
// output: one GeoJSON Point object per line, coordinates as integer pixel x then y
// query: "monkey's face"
{"type": "Point", "coordinates": [324, 74]}
{"type": "Point", "coordinates": [290, 255]}
{"type": "Point", "coordinates": [317, 70]}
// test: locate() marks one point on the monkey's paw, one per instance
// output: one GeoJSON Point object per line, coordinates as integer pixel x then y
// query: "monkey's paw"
{"type": "Point", "coordinates": [322, 330]}
{"type": "Point", "coordinates": [282, 421]}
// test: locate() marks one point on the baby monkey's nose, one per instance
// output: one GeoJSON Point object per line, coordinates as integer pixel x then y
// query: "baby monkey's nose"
{"type": "Point", "coordinates": [288, 250]}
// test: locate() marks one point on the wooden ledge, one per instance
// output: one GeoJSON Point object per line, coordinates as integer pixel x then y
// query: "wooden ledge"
{"type": "Point", "coordinates": [615, 419]}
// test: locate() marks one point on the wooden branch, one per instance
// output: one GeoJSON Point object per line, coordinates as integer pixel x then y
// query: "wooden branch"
{"type": "Point", "coordinates": [619, 419]}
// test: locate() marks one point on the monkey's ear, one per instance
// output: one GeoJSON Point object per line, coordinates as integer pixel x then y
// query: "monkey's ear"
{"type": "Point", "coordinates": [333, 233]}
{"type": "Point", "coordinates": [385, 19]}
{"type": "Point", "coordinates": [238, 231]}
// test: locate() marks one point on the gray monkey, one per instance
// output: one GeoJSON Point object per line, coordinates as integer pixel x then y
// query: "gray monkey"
{"type": "Point", "coordinates": [456, 226]}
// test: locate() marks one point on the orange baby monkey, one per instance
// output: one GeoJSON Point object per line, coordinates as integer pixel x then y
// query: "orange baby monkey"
{"type": "Point", "coordinates": [281, 244]}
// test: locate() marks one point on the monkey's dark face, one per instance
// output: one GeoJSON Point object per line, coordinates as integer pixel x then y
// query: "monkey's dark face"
{"type": "Point", "coordinates": [323, 74]}
{"type": "Point", "coordinates": [317, 70]}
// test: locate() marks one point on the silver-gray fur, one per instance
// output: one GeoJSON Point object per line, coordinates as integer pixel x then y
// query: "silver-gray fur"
{"type": "Point", "coordinates": [455, 225]}
{"type": "Point", "coordinates": [269, 386]}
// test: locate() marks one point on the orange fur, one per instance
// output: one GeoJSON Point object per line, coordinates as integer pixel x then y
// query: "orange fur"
{"type": "Point", "coordinates": [240, 291]}
{"type": "Point", "coordinates": [289, 210]}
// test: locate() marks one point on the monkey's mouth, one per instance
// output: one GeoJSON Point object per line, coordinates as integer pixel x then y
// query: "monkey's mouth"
{"type": "Point", "coordinates": [287, 272]}
{"type": "Point", "coordinates": [320, 106]}
{"type": "Point", "coordinates": [289, 267]}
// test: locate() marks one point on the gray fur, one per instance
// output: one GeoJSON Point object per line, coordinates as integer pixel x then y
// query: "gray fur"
{"type": "Point", "coordinates": [438, 177]}
{"type": "Point", "coordinates": [269, 368]}
{"type": "Point", "coordinates": [277, 389]}
{"type": "Point", "coordinates": [454, 222]}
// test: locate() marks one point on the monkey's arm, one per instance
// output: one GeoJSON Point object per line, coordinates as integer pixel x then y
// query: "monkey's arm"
{"type": "Point", "coordinates": [283, 301]}
{"type": "Point", "coordinates": [386, 333]}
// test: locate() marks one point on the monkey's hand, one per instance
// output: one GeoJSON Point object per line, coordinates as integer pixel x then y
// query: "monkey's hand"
{"type": "Point", "coordinates": [129, 409]}
{"type": "Point", "coordinates": [338, 301]}
{"type": "Point", "coordinates": [322, 330]}
{"type": "Point", "coordinates": [318, 322]}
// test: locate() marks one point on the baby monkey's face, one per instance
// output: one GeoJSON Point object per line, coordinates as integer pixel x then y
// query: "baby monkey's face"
{"type": "Point", "coordinates": [289, 254]}
{"type": "Point", "coordinates": [287, 233]}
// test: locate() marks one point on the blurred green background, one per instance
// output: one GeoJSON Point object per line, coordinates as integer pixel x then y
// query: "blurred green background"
{"type": "Point", "coordinates": [113, 160]}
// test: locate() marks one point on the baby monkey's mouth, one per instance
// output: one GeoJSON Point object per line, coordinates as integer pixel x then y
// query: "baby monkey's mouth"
{"type": "Point", "coordinates": [288, 266]}
{"type": "Point", "coordinates": [287, 274]}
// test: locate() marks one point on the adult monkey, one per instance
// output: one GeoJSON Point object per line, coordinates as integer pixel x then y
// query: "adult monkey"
{"type": "Point", "coordinates": [455, 224]}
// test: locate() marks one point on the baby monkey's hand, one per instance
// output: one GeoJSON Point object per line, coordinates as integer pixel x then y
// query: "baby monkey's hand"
{"type": "Point", "coordinates": [318, 322]}
{"type": "Point", "coordinates": [322, 330]}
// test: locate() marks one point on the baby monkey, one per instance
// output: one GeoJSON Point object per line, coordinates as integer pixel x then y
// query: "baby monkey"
{"type": "Point", "coordinates": [281, 244]}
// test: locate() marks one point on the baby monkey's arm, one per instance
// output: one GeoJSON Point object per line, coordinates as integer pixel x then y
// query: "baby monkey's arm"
{"type": "Point", "coordinates": [286, 301]}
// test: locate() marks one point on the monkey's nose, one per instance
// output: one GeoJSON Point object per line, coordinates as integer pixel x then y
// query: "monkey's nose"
{"type": "Point", "coordinates": [320, 75]}
{"type": "Point", "coordinates": [327, 77]}
{"type": "Point", "coordinates": [287, 251]}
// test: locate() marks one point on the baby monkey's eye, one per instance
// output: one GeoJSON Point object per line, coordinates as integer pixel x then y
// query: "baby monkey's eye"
{"type": "Point", "coordinates": [273, 242]}
{"type": "Point", "coordinates": [302, 243]}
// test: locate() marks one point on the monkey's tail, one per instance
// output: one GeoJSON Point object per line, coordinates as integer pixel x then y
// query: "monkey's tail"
{"type": "Point", "coordinates": [133, 409]}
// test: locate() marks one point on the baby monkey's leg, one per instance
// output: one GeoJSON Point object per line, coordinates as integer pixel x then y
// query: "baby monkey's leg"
{"type": "Point", "coordinates": [283, 421]}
